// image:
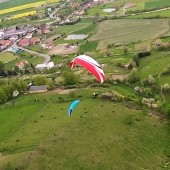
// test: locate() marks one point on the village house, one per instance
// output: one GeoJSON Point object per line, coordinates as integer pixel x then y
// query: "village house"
{"type": "Point", "coordinates": [34, 40]}
{"type": "Point", "coordinates": [21, 64]}
{"type": "Point", "coordinates": [4, 44]}
{"type": "Point", "coordinates": [29, 35]}
{"type": "Point", "coordinates": [47, 45]}
{"type": "Point", "coordinates": [43, 30]}
{"type": "Point", "coordinates": [39, 31]}
{"type": "Point", "coordinates": [46, 30]}
{"type": "Point", "coordinates": [24, 42]}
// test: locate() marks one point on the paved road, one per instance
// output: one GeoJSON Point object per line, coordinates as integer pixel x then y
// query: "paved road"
{"type": "Point", "coordinates": [61, 6]}
{"type": "Point", "coordinates": [46, 58]}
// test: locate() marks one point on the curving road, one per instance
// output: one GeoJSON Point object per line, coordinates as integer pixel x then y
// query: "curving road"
{"type": "Point", "coordinates": [46, 58]}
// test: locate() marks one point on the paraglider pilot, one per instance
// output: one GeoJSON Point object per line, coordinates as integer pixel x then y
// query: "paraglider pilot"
{"type": "Point", "coordinates": [95, 94]}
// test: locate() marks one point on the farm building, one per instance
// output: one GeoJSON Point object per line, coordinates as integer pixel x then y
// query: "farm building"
{"type": "Point", "coordinates": [38, 89]}
{"type": "Point", "coordinates": [17, 32]}
{"type": "Point", "coordinates": [45, 66]}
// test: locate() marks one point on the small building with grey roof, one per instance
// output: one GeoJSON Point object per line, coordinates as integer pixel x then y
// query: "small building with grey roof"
{"type": "Point", "coordinates": [38, 89]}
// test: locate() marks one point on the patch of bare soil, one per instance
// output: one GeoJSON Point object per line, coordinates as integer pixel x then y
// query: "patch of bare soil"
{"type": "Point", "coordinates": [120, 76]}
{"type": "Point", "coordinates": [156, 114]}
{"type": "Point", "coordinates": [51, 39]}
{"type": "Point", "coordinates": [63, 91]}
{"type": "Point", "coordinates": [63, 49]}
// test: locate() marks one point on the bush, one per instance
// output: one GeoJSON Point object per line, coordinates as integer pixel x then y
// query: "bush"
{"type": "Point", "coordinates": [69, 78]}
{"type": "Point", "coordinates": [106, 96]}
{"type": "Point", "coordinates": [70, 87]}
{"type": "Point", "coordinates": [151, 79]}
{"type": "Point", "coordinates": [143, 54]}
{"type": "Point", "coordinates": [133, 76]}
{"type": "Point", "coordinates": [168, 112]}
{"type": "Point", "coordinates": [129, 120]}
{"type": "Point", "coordinates": [72, 94]}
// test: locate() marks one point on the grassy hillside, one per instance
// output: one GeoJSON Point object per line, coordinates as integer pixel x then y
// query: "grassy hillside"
{"type": "Point", "coordinates": [40, 135]}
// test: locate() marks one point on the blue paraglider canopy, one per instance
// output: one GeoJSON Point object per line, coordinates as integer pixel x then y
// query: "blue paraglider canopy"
{"type": "Point", "coordinates": [72, 106]}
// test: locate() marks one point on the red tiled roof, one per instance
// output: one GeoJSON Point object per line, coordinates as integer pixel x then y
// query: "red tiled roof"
{"type": "Point", "coordinates": [46, 30]}
{"type": "Point", "coordinates": [24, 42]}
{"type": "Point", "coordinates": [5, 42]}
{"type": "Point", "coordinates": [21, 63]}
{"type": "Point", "coordinates": [34, 40]}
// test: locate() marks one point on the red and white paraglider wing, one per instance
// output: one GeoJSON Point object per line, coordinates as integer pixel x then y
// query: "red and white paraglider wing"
{"type": "Point", "coordinates": [89, 64]}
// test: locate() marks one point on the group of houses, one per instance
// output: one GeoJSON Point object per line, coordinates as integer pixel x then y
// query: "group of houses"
{"type": "Point", "coordinates": [31, 39]}
{"type": "Point", "coordinates": [10, 35]}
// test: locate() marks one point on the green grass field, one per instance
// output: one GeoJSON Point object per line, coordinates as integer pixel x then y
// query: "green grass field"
{"type": "Point", "coordinates": [68, 29]}
{"type": "Point", "coordinates": [25, 56]}
{"type": "Point", "coordinates": [156, 4]}
{"type": "Point", "coordinates": [158, 14]}
{"type": "Point", "coordinates": [88, 46]}
{"type": "Point", "coordinates": [7, 57]}
{"type": "Point", "coordinates": [40, 135]}
{"type": "Point", "coordinates": [14, 3]}
{"type": "Point", "coordinates": [129, 30]}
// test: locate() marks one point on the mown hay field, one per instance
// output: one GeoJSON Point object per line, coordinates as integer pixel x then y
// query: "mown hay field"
{"type": "Point", "coordinates": [129, 30]}
{"type": "Point", "coordinates": [36, 133]}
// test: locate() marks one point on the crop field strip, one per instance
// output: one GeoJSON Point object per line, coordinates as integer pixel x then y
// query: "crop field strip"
{"type": "Point", "coordinates": [156, 4]}
{"type": "Point", "coordinates": [21, 7]}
